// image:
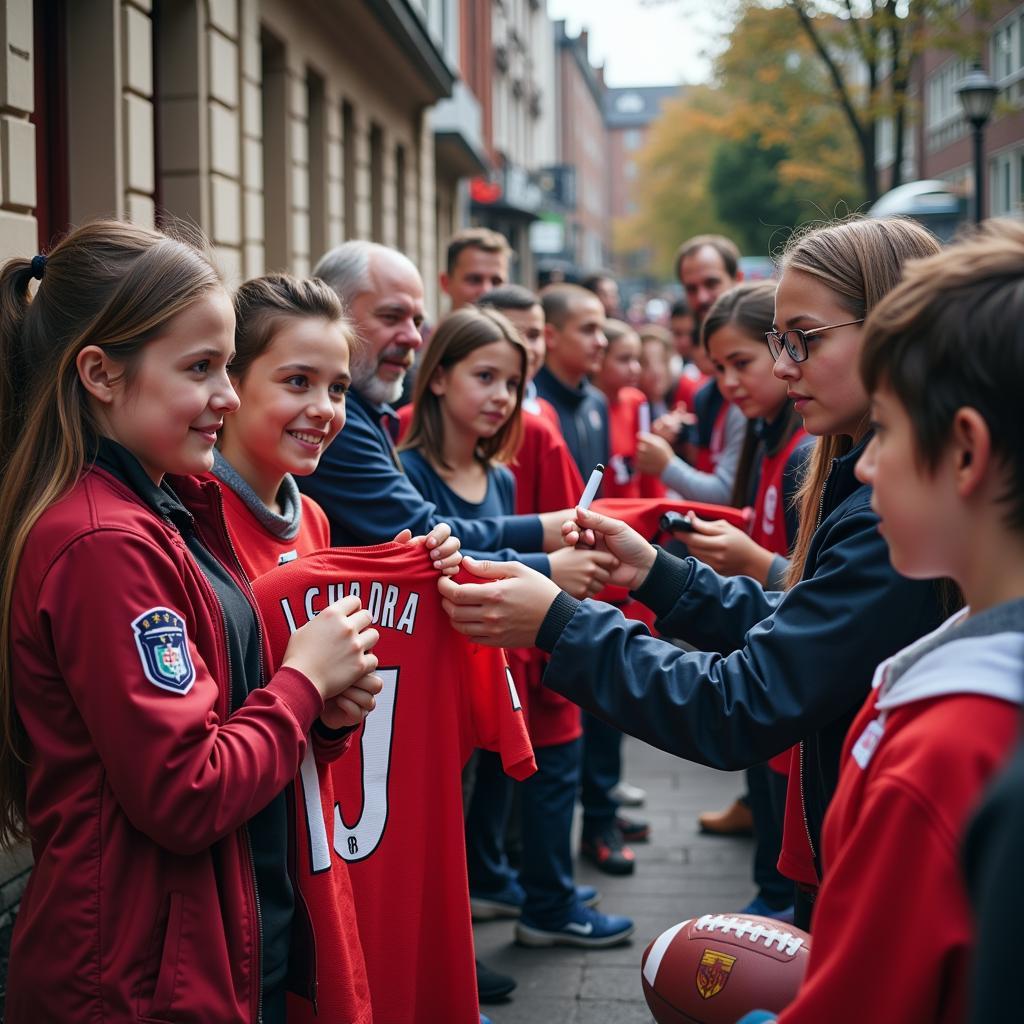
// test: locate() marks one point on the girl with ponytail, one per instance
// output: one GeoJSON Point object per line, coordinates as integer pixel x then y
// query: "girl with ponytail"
{"type": "Point", "coordinates": [146, 747]}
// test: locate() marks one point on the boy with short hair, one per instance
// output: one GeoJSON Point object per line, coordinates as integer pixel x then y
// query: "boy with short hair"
{"type": "Point", "coordinates": [944, 361]}
{"type": "Point", "coordinates": [477, 261]}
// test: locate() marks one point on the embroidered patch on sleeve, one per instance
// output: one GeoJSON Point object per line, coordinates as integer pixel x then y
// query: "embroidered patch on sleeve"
{"type": "Point", "coordinates": [163, 650]}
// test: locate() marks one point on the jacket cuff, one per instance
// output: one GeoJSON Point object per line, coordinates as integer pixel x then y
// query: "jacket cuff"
{"type": "Point", "coordinates": [562, 609]}
{"type": "Point", "coordinates": [523, 533]}
{"type": "Point", "coordinates": [325, 732]}
{"type": "Point", "coordinates": [301, 696]}
{"type": "Point", "coordinates": [668, 578]}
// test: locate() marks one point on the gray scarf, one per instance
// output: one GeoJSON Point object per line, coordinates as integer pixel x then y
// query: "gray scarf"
{"type": "Point", "coordinates": [284, 526]}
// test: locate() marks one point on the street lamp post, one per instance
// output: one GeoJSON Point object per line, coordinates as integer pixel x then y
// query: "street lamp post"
{"type": "Point", "coordinates": [977, 93]}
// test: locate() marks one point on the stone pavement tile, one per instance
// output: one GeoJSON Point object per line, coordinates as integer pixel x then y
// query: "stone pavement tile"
{"type": "Point", "coordinates": [611, 983]}
{"type": "Point", "coordinates": [538, 1011]}
{"type": "Point", "coordinates": [603, 1012]}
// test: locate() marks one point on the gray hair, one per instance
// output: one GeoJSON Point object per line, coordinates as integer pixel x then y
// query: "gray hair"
{"type": "Point", "coordinates": [346, 268]}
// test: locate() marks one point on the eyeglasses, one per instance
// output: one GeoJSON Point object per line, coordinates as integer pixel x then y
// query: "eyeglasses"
{"type": "Point", "coordinates": [795, 342]}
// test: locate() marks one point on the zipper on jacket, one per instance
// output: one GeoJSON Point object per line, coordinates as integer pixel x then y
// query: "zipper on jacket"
{"type": "Point", "coordinates": [248, 837]}
{"type": "Point", "coordinates": [231, 708]}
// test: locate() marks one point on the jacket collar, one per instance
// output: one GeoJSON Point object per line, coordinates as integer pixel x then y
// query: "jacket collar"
{"type": "Point", "coordinates": [121, 464]}
{"type": "Point", "coordinates": [841, 481]}
{"type": "Point", "coordinates": [563, 393]}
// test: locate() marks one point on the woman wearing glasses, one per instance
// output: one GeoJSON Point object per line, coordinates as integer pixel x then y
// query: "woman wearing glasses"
{"type": "Point", "coordinates": [773, 668]}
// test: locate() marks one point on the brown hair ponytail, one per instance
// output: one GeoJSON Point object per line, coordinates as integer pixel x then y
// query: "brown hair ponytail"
{"type": "Point", "coordinates": [109, 284]}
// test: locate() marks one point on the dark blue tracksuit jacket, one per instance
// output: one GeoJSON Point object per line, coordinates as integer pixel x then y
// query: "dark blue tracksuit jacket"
{"type": "Point", "coordinates": [783, 667]}
{"type": "Point", "coordinates": [369, 499]}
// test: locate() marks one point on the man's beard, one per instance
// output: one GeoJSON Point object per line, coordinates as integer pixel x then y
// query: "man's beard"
{"type": "Point", "coordinates": [371, 387]}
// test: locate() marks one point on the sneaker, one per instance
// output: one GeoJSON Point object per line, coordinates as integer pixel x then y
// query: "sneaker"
{"type": "Point", "coordinates": [759, 908]}
{"type": "Point", "coordinates": [492, 906]}
{"type": "Point", "coordinates": [609, 852]}
{"type": "Point", "coordinates": [633, 831]}
{"type": "Point", "coordinates": [491, 986]}
{"type": "Point", "coordinates": [735, 820]}
{"type": "Point", "coordinates": [587, 928]}
{"type": "Point", "coordinates": [509, 902]}
{"type": "Point", "coordinates": [627, 795]}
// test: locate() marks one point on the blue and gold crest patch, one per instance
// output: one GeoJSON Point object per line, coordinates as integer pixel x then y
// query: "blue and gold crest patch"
{"type": "Point", "coordinates": [163, 650]}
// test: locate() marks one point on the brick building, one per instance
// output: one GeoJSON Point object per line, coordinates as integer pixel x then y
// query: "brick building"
{"type": "Point", "coordinates": [939, 143]}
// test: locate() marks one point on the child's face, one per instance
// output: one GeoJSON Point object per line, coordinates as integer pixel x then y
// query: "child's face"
{"type": "Point", "coordinates": [654, 375]}
{"type": "Point", "coordinates": [919, 510]}
{"type": "Point", "coordinates": [743, 368]}
{"type": "Point", "coordinates": [530, 325]}
{"type": "Point", "coordinates": [292, 402]}
{"type": "Point", "coordinates": [478, 394]}
{"type": "Point", "coordinates": [169, 414]}
{"type": "Point", "coordinates": [621, 366]}
{"type": "Point", "coordinates": [826, 387]}
{"type": "Point", "coordinates": [683, 330]}
{"type": "Point", "coordinates": [576, 349]}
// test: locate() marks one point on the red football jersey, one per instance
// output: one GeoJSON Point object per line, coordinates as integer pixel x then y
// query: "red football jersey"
{"type": "Point", "coordinates": [397, 821]}
{"type": "Point", "coordinates": [621, 480]}
{"type": "Point", "coordinates": [342, 988]}
{"type": "Point", "coordinates": [546, 475]}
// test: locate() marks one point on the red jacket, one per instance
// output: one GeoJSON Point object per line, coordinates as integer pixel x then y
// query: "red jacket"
{"type": "Point", "coordinates": [141, 904]}
{"type": "Point", "coordinates": [892, 927]}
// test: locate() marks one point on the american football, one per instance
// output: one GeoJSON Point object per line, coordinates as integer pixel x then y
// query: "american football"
{"type": "Point", "coordinates": [715, 968]}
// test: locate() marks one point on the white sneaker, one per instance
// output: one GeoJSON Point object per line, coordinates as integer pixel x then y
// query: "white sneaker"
{"type": "Point", "coordinates": [627, 795]}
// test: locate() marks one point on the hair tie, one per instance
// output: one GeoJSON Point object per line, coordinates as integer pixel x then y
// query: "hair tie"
{"type": "Point", "coordinates": [38, 266]}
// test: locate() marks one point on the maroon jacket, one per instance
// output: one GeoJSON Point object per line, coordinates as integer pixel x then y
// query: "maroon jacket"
{"type": "Point", "coordinates": [142, 904]}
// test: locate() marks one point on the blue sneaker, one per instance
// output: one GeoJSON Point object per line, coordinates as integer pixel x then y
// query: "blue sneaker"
{"type": "Point", "coordinates": [587, 928]}
{"type": "Point", "coordinates": [759, 908]}
{"type": "Point", "coordinates": [509, 902]}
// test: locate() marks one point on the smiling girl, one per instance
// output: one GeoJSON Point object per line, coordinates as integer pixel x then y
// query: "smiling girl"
{"type": "Point", "coordinates": [146, 744]}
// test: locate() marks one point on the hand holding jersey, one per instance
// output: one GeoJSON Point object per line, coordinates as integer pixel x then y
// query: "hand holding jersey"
{"type": "Point", "coordinates": [333, 650]}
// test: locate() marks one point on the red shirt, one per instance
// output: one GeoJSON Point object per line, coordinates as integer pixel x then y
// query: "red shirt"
{"type": "Point", "coordinates": [691, 380]}
{"type": "Point", "coordinates": [398, 820]}
{"type": "Point", "coordinates": [546, 475]}
{"type": "Point", "coordinates": [258, 549]}
{"type": "Point", "coordinates": [892, 927]}
{"type": "Point", "coordinates": [341, 990]}
{"type": "Point", "coordinates": [546, 480]}
{"type": "Point", "coordinates": [622, 479]}
{"type": "Point", "coordinates": [769, 526]}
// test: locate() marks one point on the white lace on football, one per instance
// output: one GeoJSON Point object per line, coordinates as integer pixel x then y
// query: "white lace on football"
{"type": "Point", "coordinates": [754, 932]}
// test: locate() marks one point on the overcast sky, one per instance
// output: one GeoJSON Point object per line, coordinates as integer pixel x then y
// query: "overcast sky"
{"type": "Point", "coordinates": [657, 43]}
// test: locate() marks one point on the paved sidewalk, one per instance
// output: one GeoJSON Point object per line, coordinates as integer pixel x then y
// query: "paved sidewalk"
{"type": "Point", "coordinates": [679, 874]}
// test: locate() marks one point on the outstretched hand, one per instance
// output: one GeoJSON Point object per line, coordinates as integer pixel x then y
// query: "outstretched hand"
{"type": "Point", "coordinates": [634, 554]}
{"type": "Point", "coordinates": [507, 611]}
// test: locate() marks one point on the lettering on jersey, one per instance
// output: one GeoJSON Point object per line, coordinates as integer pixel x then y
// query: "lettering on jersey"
{"type": "Point", "coordinates": [388, 605]}
{"type": "Point", "coordinates": [512, 691]}
{"type": "Point", "coordinates": [287, 556]}
{"type": "Point", "coordinates": [771, 507]}
{"type": "Point", "coordinates": [361, 839]}
{"type": "Point", "coordinates": [162, 643]}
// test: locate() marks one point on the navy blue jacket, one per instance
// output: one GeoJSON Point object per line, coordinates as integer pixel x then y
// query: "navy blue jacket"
{"type": "Point", "coordinates": [772, 668]}
{"type": "Point", "coordinates": [369, 500]}
{"type": "Point", "coordinates": [583, 414]}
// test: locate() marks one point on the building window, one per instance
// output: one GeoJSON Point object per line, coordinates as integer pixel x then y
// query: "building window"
{"type": "Point", "coordinates": [317, 157]}
{"type": "Point", "coordinates": [348, 168]}
{"type": "Point", "coordinates": [276, 197]}
{"type": "Point", "coordinates": [1006, 52]}
{"type": "Point", "coordinates": [629, 170]}
{"type": "Point", "coordinates": [944, 120]}
{"type": "Point", "coordinates": [400, 197]}
{"type": "Point", "coordinates": [633, 140]}
{"type": "Point", "coordinates": [1006, 175]}
{"type": "Point", "coordinates": [376, 183]}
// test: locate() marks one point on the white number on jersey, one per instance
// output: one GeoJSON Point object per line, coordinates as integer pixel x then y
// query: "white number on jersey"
{"type": "Point", "coordinates": [359, 841]}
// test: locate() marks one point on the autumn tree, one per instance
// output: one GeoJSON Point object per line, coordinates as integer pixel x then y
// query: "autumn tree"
{"type": "Point", "coordinates": [760, 149]}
